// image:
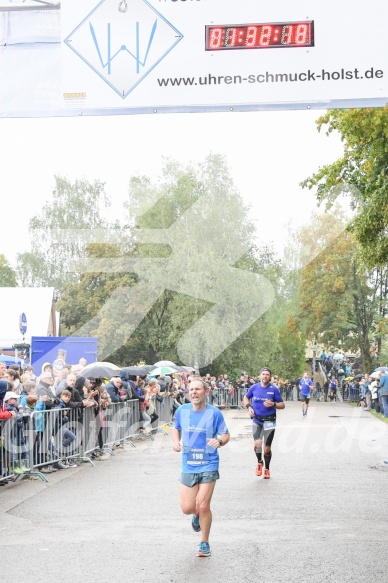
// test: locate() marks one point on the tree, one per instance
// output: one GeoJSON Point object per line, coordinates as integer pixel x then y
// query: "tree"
{"type": "Point", "coordinates": [189, 286]}
{"type": "Point", "coordinates": [7, 274]}
{"type": "Point", "coordinates": [362, 174]}
{"type": "Point", "coordinates": [341, 304]}
{"type": "Point", "coordinates": [61, 231]}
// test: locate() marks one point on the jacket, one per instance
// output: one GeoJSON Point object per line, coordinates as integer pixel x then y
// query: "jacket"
{"type": "Point", "coordinates": [113, 392]}
{"type": "Point", "coordinates": [39, 418]}
{"type": "Point", "coordinates": [4, 414]}
{"type": "Point", "coordinates": [45, 389]}
{"type": "Point", "coordinates": [383, 389]}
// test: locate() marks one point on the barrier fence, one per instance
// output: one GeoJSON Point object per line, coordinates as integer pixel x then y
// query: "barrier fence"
{"type": "Point", "coordinates": [41, 439]}
{"type": "Point", "coordinates": [227, 397]}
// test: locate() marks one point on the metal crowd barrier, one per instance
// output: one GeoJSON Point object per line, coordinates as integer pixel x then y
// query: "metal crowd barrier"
{"type": "Point", "coordinates": [164, 411]}
{"type": "Point", "coordinates": [228, 398]}
{"type": "Point", "coordinates": [354, 395]}
{"type": "Point", "coordinates": [46, 438]}
{"type": "Point", "coordinates": [119, 423]}
{"type": "Point", "coordinates": [236, 398]}
{"type": "Point", "coordinates": [6, 471]}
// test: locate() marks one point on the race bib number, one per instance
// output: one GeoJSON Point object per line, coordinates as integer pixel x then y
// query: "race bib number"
{"type": "Point", "coordinates": [197, 457]}
{"type": "Point", "coordinates": [269, 425]}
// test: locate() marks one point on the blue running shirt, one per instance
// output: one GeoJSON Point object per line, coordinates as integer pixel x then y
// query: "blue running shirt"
{"type": "Point", "coordinates": [196, 428]}
{"type": "Point", "coordinates": [306, 386]}
{"type": "Point", "coordinates": [258, 394]}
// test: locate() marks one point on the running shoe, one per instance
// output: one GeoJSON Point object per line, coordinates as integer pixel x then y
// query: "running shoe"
{"type": "Point", "coordinates": [195, 523]}
{"type": "Point", "coordinates": [204, 550]}
{"type": "Point", "coordinates": [267, 475]}
{"type": "Point", "coordinates": [259, 469]}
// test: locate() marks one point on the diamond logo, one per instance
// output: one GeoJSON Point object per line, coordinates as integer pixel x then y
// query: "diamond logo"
{"type": "Point", "coordinates": [122, 41]}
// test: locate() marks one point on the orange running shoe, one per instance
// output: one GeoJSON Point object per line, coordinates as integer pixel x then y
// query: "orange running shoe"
{"type": "Point", "coordinates": [259, 469]}
{"type": "Point", "coordinates": [267, 475]}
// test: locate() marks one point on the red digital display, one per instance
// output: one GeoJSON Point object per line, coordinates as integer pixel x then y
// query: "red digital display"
{"type": "Point", "coordinates": [260, 36]}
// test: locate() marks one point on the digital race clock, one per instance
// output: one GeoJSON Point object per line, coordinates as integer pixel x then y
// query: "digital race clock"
{"type": "Point", "coordinates": [260, 36]}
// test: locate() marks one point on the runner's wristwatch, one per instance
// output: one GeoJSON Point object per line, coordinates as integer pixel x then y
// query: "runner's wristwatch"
{"type": "Point", "coordinates": [219, 439]}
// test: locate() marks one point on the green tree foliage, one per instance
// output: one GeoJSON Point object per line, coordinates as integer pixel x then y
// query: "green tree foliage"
{"type": "Point", "coordinates": [7, 274]}
{"type": "Point", "coordinates": [341, 304]}
{"type": "Point", "coordinates": [61, 231]}
{"type": "Point", "coordinates": [362, 174]}
{"type": "Point", "coordinates": [197, 210]}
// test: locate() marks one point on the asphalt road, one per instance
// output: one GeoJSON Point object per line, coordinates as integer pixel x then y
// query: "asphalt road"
{"type": "Point", "coordinates": [323, 515]}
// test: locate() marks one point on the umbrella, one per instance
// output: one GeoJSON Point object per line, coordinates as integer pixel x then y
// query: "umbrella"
{"type": "Point", "coordinates": [338, 356]}
{"type": "Point", "coordinates": [137, 371]}
{"type": "Point", "coordinates": [100, 370]}
{"type": "Point", "coordinates": [162, 370]}
{"type": "Point", "coordinates": [381, 368]}
{"type": "Point", "coordinates": [375, 375]}
{"type": "Point", "coordinates": [165, 363]}
{"type": "Point", "coordinates": [187, 369]}
{"type": "Point", "coordinates": [358, 377]}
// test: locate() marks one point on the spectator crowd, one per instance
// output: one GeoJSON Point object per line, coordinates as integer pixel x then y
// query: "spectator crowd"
{"type": "Point", "coordinates": [27, 400]}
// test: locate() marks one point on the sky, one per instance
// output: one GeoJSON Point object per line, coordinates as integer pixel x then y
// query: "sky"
{"type": "Point", "coordinates": [268, 153]}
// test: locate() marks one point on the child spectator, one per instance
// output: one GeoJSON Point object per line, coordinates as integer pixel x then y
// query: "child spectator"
{"type": "Point", "coordinates": [16, 442]}
{"type": "Point", "coordinates": [28, 425]}
{"type": "Point", "coordinates": [40, 448]}
{"type": "Point", "coordinates": [67, 437]}
{"type": "Point", "coordinates": [153, 396]}
{"type": "Point", "coordinates": [102, 400]}
{"type": "Point", "coordinates": [4, 413]}
{"type": "Point", "coordinates": [144, 406]}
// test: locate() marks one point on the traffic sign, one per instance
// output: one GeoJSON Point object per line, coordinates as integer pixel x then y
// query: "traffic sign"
{"type": "Point", "coordinates": [23, 323]}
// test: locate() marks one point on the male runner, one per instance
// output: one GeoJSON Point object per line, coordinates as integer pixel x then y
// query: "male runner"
{"type": "Point", "coordinates": [199, 432]}
{"type": "Point", "coordinates": [266, 398]}
{"type": "Point", "coordinates": [306, 389]}
{"type": "Point", "coordinates": [333, 387]}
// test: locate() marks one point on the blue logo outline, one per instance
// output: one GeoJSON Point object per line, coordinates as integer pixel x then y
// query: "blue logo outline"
{"type": "Point", "coordinates": [123, 95]}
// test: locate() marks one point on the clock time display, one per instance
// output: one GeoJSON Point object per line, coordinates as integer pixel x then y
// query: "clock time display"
{"type": "Point", "coordinates": [260, 36]}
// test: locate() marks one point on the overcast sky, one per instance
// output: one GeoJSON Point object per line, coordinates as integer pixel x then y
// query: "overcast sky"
{"type": "Point", "coordinates": [269, 154]}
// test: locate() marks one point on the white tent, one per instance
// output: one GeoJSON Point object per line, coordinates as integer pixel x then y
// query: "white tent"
{"type": "Point", "coordinates": [37, 305]}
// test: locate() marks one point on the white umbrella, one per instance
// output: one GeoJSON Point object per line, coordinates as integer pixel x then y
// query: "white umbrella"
{"type": "Point", "coordinates": [375, 375]}
{"type": "Point", "coordinates": [164, 363]}
{"type": "Point", "coordinates": [162, 370]}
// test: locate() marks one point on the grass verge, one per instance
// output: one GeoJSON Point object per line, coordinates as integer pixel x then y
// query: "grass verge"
{"type": "Point", "coordinates": [373, 412]}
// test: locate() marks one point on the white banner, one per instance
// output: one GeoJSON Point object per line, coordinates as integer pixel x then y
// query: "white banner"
{"type": "Point", "coordinates": [138, 56]}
